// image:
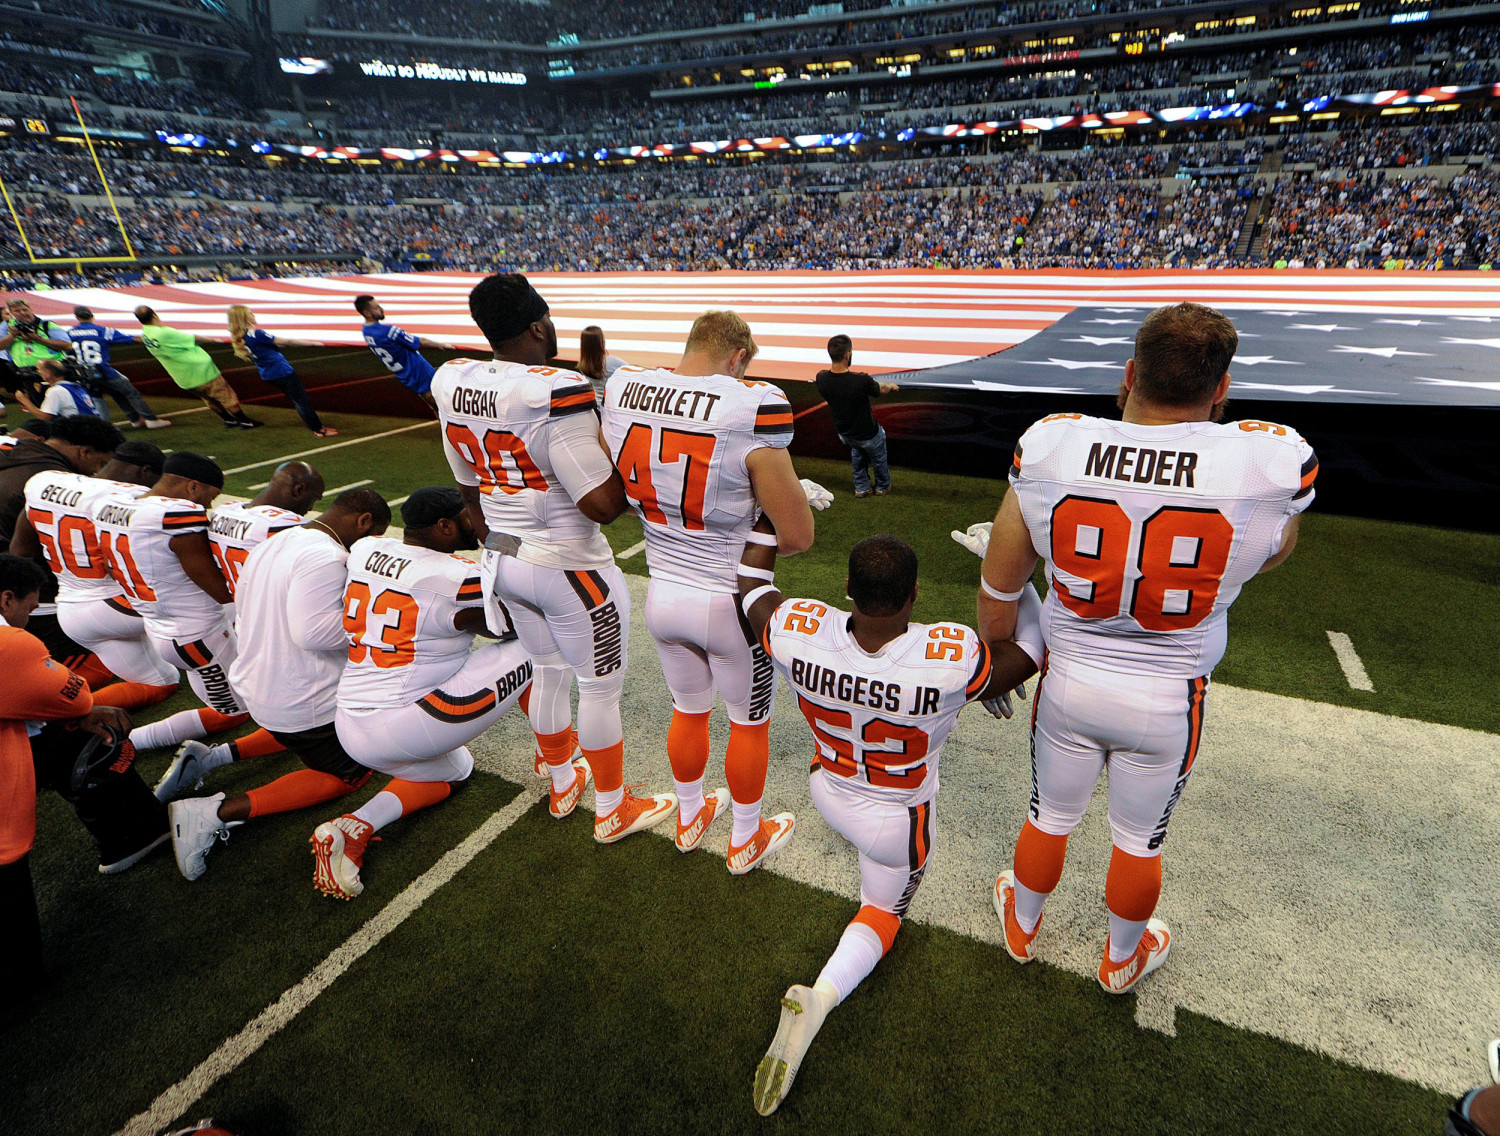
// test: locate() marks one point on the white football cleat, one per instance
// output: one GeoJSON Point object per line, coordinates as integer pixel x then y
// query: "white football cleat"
{"type": "Point", "coordinates": [185, 773]}
{"type": "Point", "coordinates": [196, 827]}
{"type": "Point", "coordinates": [803, 1010]}
{"type": "Point", "coordinates": [1121, 977]}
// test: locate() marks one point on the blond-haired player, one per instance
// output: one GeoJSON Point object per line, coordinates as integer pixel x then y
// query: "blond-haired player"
{"type": "Point", "coordinates": [1149, 528]}
{"type": "Point", "coordinates": [702, 451]}
{"type": "Point", "coordinates": [522, 439]}
{"type": "Point", "coordinates": [881, 694]}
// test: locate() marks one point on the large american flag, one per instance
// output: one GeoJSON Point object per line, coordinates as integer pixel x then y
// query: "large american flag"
{"type": "Point", "coordinates": [1327, 335]}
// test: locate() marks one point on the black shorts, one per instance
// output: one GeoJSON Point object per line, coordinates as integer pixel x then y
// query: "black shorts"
{"type": "Point", "coordinates": [62, 649]}
{"type": "Point", "coordinates": [319, 749]}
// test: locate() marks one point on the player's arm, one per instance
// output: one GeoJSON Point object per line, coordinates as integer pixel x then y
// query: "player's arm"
{"type": "Point", "coordinates": [1012, 662]}
{"type": "Point", "coordinates": [24, 541]}
{"type": "Point", "coordinates": [782, 498]}
{"type": "Point", "coordinates": [1009, 562]}
{"type": "Point", "coordinates": [469, 618]}
{"type": "Point", "coordinates": [1288, 543]}
{"type": "Point", "coordinates": [196, 556]}
{"type": "Point", "coordinates": [757, 567]}
{"type": "Point", "coordinates": [315, 608]}
{"type": "Point", "coordinates": [472, 498]}
{"type": "Point", "coordinates": [578, 457]}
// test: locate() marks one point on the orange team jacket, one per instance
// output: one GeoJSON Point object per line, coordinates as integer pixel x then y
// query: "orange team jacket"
{"type": "Point", "coordinates": [35, 688]}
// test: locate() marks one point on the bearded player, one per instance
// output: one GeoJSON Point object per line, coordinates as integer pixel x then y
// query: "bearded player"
{"type": "Point", "coordinates": [522, 439]}
{"type": "Point", "coordinates": [881, 694]}
{"type": "Point", "coordinates": [157, 549]}
{"type": "Point", "coordinates": [413, 693]}
{"type": "Point", "coordinates": [1149, 527]}
{"type": "Point", "coordinates": [701, 452]}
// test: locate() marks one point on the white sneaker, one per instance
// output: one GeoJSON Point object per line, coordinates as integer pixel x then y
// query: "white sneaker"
{"type": "Point", "coordinates": [802, 1012]}
{"type": "Point", "coordinates": [338, 848]}
{"type": "Point", "coordinates": [195, 829]}
{"type": "Point", "coordinates": [185, 773]}
{"type": "Point", "coordinates": [156, 423]}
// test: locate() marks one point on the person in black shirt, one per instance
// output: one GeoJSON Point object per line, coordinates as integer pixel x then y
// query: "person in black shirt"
{"type": "Point", "coordinates": [848, 394]}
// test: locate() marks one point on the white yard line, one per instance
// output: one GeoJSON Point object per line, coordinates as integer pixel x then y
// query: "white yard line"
{"type": "Point", "coordinates": [337, 489]}
{"type": "Point", "coordinates": [237, 1049]}
{"type": "Point", "coordinates": [325, 449]}
{"type": "Point", "coordinates": [259, 485]}
{"type": "Point", "coordinates": [1354, 669]}
{"type": "Point", "coordinates": [633, 550]}
{"type": "Point", "coordinates": [398, 501]}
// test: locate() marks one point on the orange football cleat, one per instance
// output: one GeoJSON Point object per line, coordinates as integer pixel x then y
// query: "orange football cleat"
{"type": "Point", "coordinates": [338, 848]}
{"type": "Point", "coordinates": [1121, 977]}
{"type": "Point", "coordinates": [562, 804]}
{"type": "Point", "coordinates": [634, 814]}
{"type": "Point", "coordinates": [1018, 944]}
{"type": "Point", "coordinates": [690, 835]}
{"type": "Point", "coordinates": [773, 834]}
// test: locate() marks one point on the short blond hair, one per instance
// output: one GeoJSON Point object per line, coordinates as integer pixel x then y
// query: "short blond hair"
{"type": "Point", "coordinates": [720, 334]}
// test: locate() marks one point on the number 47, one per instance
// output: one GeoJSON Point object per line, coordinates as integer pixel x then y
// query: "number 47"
{"type": "Point", "coordinates": [634, 463]}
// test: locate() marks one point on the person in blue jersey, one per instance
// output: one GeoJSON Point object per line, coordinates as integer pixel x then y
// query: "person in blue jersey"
{"type": "Point", "coordinates": [399, 350]}
{"type": "Point", "coordinates": [91, 346]}
{"type": "Point", "coordinates": [256, 345]}
{"type": "Point", "coordinates": [63, 398]}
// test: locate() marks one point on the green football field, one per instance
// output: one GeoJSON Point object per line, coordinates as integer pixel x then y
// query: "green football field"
{"type": "Point", "coordinates": [535, 982]}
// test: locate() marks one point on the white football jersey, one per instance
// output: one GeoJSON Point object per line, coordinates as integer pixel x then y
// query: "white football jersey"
{"type": "Point", "coordinates": [399, 606]}
{"type": "Point", "coordinates": [135, 534]}
{"type": "Point", "coordinates": [680, 444]}
{"type": "Point", "coordinates": [60, 507]}
{"type": "Point", "coordinates": [500, 422]}
{"type": "Point", "coordinates": [878, 721]}
{"type": "Point", "coordinates": [1149, 532]}
{"type": "Point", "coordinates": [238, 527]}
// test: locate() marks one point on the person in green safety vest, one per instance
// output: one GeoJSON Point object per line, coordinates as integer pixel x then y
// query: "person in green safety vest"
{"type": "Point", "coordinates": [29, 339]}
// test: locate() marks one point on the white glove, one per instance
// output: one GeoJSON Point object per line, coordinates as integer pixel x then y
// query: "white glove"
{"type": "Point", "coordinates": [977, 539]}
{"type": "Point", "coordinates": [818, 497]}
{"type": "Point", "coordinates": [999, 706]}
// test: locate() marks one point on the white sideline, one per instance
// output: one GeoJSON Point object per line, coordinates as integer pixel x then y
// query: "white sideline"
{"type": "Point", "coordinates": [237, 1049]}
{"type": "Point", "coordinates": [325, 449]}
{"type": "Point", "coordinates": [1354, 669]}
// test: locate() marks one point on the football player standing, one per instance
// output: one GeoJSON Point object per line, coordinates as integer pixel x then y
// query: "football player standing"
{"type": "Point", "coordinates": [1149, 528]}
{"type": "Point", "coordinates": [881, 693]}
{"type": "Point", "coordinates": [522, 439]}
{"type": "Point", "coordinates": [701, 451]}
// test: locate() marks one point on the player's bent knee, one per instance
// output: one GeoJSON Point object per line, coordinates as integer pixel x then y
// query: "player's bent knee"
{"type": "Point", "coordinates": [884, 923]}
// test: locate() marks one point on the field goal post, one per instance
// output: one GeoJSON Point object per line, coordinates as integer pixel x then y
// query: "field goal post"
{"type": "Point", "coordinates": [77, 261]}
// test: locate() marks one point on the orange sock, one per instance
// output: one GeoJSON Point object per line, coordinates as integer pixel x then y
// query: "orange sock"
{"type": "Point", "coordinates": [687, 746]}
{"type": "Point", "coordinates": [524, 701]}
{"type": "Point", "coordinates": [258, 744]}
{"type": "Point", "coordinates": [93, 672]}
{"type": "Point", "coordinates": [745, 763]}
{"type": "Point", "coordinates": [1039, 859]}
{"type": "Point", "coordinates": [415, 795]}
{"type": "Point", "coordinates": [133, 695]}
{"type": "Point", "coordinates": [1133, 885]}
{"type": "Point", "coordinates": [214, 722]}
{"type": "Point", "coordinates": [556, 748]}
{"type": "Point", "coordinates": [608, 765]}
{"type": "Point", "coordinates": [299, 790]}
{"type": "Point", "coordinates": [883, 923]}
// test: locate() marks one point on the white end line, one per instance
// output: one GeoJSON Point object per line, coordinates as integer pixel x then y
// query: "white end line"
{"type": "Point", "coordinates": [1354, 669]}
{"type": "Point", "coordinates": [325, 449]}
{"type": "Point", "coordinates": [633, 550]}
{"type": "Point", "coordinates": [237, 1049]}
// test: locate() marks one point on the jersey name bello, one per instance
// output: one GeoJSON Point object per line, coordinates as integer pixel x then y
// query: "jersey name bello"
{"type": "Point", "coordinates": [857, 690]}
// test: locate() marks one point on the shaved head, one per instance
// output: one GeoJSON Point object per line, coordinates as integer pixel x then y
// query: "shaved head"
{"type": "Point", "coordinates": [295, 486]}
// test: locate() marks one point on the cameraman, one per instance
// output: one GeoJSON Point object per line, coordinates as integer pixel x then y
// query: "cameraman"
{"type": "Point", "coordinates": [65, 397]}
{"type": "Point", "coordinates": [91, 346]}
{"type": "Point", "coordinates": [30, 338]}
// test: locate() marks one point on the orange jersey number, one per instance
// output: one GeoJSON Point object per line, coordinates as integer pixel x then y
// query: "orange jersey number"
{"type": "Point", "coordinates": [946, 644]}
{"type": "Point", "coordinates": [1182, 557]}
{"type": "Point", "coordinates": [115, 551]}
{"type": "Point", "coordinates": [806, 616]}
{"type": "Point", "coordinates": [692, 453]}
{"type": "Point", "coordinates": [838, 754]}
{"type": "Point", "coordinates": [395, 645]}
{"type": "Point", "coordinates": [230, 561]}
{"type": "Point", "coordinates": [501, 460]}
